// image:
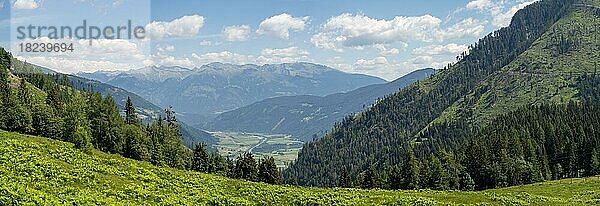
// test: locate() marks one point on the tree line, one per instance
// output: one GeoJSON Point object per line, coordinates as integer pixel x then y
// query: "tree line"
{"type": "Point", "coordinates": [532, 144]}
{"type": "Point", "coordinates": [48, 105]}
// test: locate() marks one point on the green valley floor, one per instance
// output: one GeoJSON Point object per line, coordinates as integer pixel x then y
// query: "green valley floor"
{"type": "Point", "coordinates": [40, 171]}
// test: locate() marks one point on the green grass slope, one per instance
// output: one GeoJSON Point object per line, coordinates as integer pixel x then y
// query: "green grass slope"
{"type": "Point", "coordinates": [542, 74]}
{"type": "Point", "coordinates": [39, 171]}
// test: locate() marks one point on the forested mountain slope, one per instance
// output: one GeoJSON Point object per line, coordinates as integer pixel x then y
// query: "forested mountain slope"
{"type": "Point", "coordinates": [544, 56]}
{"type": "Point", "coordinates": [306, 116]}
{"type": "Point", "coordinates": [39, 171]}
{"type": "Point", "coordinates": [146, 111]}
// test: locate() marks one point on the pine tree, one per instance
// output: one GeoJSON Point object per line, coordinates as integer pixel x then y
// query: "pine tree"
{"type": "Point", "coordinates": [231, 169]}
{"type": "Point", "coordinates": [136, 143]}
{"type": "Point", "coordinates": [24, 95]}
{"type": "Point", "coordinates": [344, 180]}
{"type": "Point", "coordinates": [466, 182]}
{"type": "Point", "coordinates": [438, 179]}
{"type": "Point", "coordinates": [558, 172]}
{"type": "Point", "coordinates": [81, 138]}
{"type": "Point", "coordinates": [395, 180]}
{"type": "Point", "coordinates": [17, 118]}
{"type": "Point", "coordinates": [410, 171]}
{"type": "Point", "coordinates": [77, 126]}
{"type": "Point", "coordinates": [268, 172]}
{"type": "Point", "coordinates": [246, 167]}
{"type": "Point", "coordinates": [41, 115]}
{"type": "Point", "coordinates": [595, 162]}
{"type": "Point", "coordinates": [113, 140]}
{"type": "Point", "coordinates": [200, 161]}
{"type": "Point", "coordinates": [130, 115]}
{"type": "Point", "coordinates": [370, 178]}
{"type": "Point", "coordinates": [4, 95]}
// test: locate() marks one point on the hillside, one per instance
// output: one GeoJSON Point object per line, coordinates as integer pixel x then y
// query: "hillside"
{"type": "Point", "coordinates": [40, 171]}
{"type": "Point", "coordinates": [544, 57]}
{"type": "Point", "coordinates": [146, 110]}
{"type": "Point", "coordinates": [547, 72]}
{"type": "Point", "coordinates": [200, 94]}
{"type": "Point", "coordinates": [306, 116]}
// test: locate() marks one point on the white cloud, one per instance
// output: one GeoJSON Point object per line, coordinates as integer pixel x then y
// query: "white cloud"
{"type": "Point", "coordinates": [500, 11]}
{"type": "Point", "coordinates": [379, 66]}
{"type": "Point", "coordinates": [25, 4]}
{"type": "Point", "coordinates": [237, 33]}
{"type": "Point", "coordinates": [166, 48]}
{"type": "Point", "coordinates": [479, 4]}
{"type": "Point", "coordinates": [223, 57]}
{"type": "Point", "coordinates": [284, 55]}
{"type": "Point", "coordinates": [281, 25]}
{"type": "Point", "coordinates": [66, 65]}
{"type": "Point", "coordinates": [354, 31]}
{"type": "Point", "coordinates": [374, 63]}
{"type": "Point", "coordinates": [186, 26]}
{"type": "Point", "coordinates": [176, 61]}
{"type": "Point", "coordinates": [466, 28]}
{"type": "Point", "coordinates": [206, 43]}
{"type": "Point", "coordinates": [502, 18]}
{"type": "Point", "coordinates": [449, 49]}
{"type": "Point", "coordinates": [383, 50]}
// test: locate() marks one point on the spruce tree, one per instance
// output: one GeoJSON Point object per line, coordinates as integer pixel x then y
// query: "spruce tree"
{"type": "Point", "coordinates": [438, 179]}
{"type": "Point", "coordinates": [410, 171]}
{"type": "Point", "coordinates": [136, 143]}
{"type": "Point", "coordinates": [24, 94]}
{"type": "Point", "coordinates": [370, 178]}
{"type": "Point", "coordinates": [4, 95]}
{"type": "Point", "coordinates": [200, 159]}
{"type": "Point", "coordinates": [246, 167]}
{"type": "Point", "coordinates": [130, 115]}
{"type": "Point", "coordinates": [344, 179]}
{"type": "Point", "coordinates": [595, 162]}
{"type": "Point", "coordinates": [395, 180]}
{"type": "Point", "coordinates": [113, 141]}
{"type": "Point", "coordinates": [268, 172]}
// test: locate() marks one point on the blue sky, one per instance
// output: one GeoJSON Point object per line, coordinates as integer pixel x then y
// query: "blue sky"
{"type": "Point", "coordinates": [386, 38]}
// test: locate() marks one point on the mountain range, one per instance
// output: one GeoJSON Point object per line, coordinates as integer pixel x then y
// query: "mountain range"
{"type": "Point", "coordinates": [306, 116]}
{"type": "Point", "coordinates": [200, 94]}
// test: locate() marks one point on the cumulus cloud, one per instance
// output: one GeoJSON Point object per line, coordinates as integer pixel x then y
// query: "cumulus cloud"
{"type": "Point", "coordinates": [176, 61]}
{"type": "Point", "coordinates": [281, 25]}
{"type": "Point", "coordinates": [500, 11]}
{"type": "Point", "coordinates": [166, 48]}
{"type": "Point", "coordinates": [374, 63]}
{"type": "Point", "coordinates": [223, 57]}
{"type": "Point", "coordinates": [502, 17]}
{"type": "Point", "coordinates": [466, 28]}
{"type": "Point", "coordinates": [25, 4]}
{"type": "Point", "coordinates": [382, 67]}
{"type": "Point", "coordinates": [347, 30]}
{"type": "Point", "coordinates": [284, 55]}
{"type": "Point", "coordinates": [479, 4]}
{"type": "Point", "coordinates": [448, 49]}
{"type": "Point", "coordinates": [267, 56]}
{"type": "Point", "coordinates": [186, 26]}
{"type": "Point", "coordinates": [383, 50]}
{"type": "Point", "coordinates": [236, 33]}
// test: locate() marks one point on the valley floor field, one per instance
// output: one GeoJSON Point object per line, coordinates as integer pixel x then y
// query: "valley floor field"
{"type": "Point", "coordinates": [40, 171]}
{"type": "Point", "coordinates": [283, 148]}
